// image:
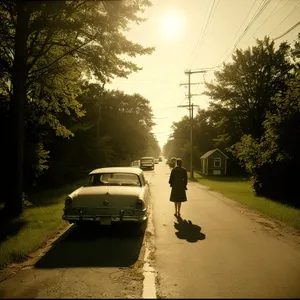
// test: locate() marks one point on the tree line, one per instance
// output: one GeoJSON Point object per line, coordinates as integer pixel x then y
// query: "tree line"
{"type": "Point", "coordinates": [254, 116]}
{"type": "Point", "coordinates": [55, 123]}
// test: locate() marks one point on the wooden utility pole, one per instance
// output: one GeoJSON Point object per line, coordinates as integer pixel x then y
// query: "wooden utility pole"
{"type": "Point", "coordinates": [191, 106]}
{"type": "Point", "coordinates": [100, 102]}
{"type": "Point", "coordinates": [191, 110]}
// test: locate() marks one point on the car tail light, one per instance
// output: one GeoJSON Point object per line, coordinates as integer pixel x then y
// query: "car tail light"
{"type": "Point", "coordinates": [68, 202]}
{"type": "Point", "coordinates": [139, 204]}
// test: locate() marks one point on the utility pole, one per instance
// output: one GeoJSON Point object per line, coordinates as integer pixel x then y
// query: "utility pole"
{"type": "Point", "coordinates": [99, 119]}
{"type": "Point", "coordinates": [100, 102]}
{"type": "Point", "coordinates": [191, 126]}
{"type": "Point", "coordinates": [191, 107]}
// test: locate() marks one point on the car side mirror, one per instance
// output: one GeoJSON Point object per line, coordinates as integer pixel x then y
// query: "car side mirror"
{"type": "Point", "coordinates": [147, 182]}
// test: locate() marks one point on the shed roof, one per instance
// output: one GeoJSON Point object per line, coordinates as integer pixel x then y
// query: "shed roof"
{"type": "Point", "coordinates": [209, 153]}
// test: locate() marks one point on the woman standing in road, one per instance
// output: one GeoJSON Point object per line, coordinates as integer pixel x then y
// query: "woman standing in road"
{"type": "Point", "coordinates": [178, 183]}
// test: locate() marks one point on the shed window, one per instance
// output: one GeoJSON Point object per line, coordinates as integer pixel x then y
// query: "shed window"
{"type": "Point", "coordinates": [217, 162]}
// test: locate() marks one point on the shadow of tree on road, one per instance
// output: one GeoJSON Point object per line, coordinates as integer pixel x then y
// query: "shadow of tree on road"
{"type": "Point", "coordinates": [188, 231]}
{"type": "Point", "coordinates": [94, 246]}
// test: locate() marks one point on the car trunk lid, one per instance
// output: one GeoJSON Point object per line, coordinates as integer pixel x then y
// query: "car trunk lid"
{"type": "Point", "coordinates": [107, 197]}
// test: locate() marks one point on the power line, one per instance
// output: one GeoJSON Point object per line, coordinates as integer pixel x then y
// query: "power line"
{"type": "Point", "coordinates": [210, 17]}
{"type": "Point", "coordinates": [260, 10]}
{"type": "Point", "coordinates": [268, 17]}
{"type": "Point", "coordinates": [196, 46]}
{"type": "Point", "coordinates": [238, 30]}
{"type": "Point", "coordinates": [293, 9]}
{"type": "Point", "coordinates": [289, 30]}
{"type": "Point", "coordinates": [201, 37]}
{"type": "Point", "coordinates": [165, 107]}
{"type": "Point", "coordinates": [263, 5]}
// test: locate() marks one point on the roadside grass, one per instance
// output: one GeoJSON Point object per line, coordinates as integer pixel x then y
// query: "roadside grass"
{"type": "Point", "coordinates": [38, 222]}
{"type": "Point", "coordinates": [240, 190]}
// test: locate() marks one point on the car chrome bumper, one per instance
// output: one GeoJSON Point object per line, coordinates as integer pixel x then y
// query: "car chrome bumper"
{"type": "Point", "coordinates": [97, 218]}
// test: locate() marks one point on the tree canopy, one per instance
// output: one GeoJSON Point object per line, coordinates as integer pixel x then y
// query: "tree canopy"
{"type": "Point", "coordinates": [48, 49]}
{"type": "Point", "coordinates": [253, 116]}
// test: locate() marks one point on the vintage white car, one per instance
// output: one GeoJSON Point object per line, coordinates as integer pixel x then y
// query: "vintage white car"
{"type": "Point", "coordinates": [116, 194]}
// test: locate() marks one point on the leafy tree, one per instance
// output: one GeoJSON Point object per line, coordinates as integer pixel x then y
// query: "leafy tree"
{"type": "Point", "coordinates": [178, 145]}
{"type": "Point", "coordinates": [203, 135]}
{"type": "Point", "coordinates": [153, 148]}
{"type": "Point", "coordinates": [245, 90]}
{"type": "Point", "coordinates": [271, 159]}
{"type": "Point", "coordinates": [42, 43]}
{"type": "Point", "coordinates": [112, 134]}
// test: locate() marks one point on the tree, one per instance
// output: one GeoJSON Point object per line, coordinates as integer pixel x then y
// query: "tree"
{"type": "Point", "coordinates": [203, 138]}
{"type": "Point", "coordinates": [153, 148]}
{"type": "Point", "coordinates": [40, 39]}
{"type": "Point", "coordinates": [271, 159]}
{"type": "Point", "coordinates": [178, 144]}
{"type": "Point", "coordinates": [245, 90]}
{"type": "Point", "coordinates": [116, 133]}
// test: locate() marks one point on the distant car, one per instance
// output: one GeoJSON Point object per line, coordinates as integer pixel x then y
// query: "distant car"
{"type": "Point", "coordinates": [160, 158]}
{"type": "Point", "coordinates": [156, 160]}
{"type": "Point", "coordinates": [116, 194]}
{"type": "Point", "coordinates": [135, 163]}
{"type": "Point", "coordinates": [147, 162]}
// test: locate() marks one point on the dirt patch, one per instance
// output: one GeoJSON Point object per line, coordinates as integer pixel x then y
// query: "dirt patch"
{"type": "Point", "coordinates": [159, 291]}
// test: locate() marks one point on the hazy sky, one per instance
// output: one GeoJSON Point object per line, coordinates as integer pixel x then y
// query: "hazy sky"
{"type": "Point", "coordinates": [195, 34]}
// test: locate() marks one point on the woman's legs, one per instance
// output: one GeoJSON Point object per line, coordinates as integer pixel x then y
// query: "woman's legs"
{"type": "Point", "coordinates": [178, 207]}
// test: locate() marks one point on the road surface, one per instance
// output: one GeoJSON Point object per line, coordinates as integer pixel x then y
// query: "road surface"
{"type": "Point", "coordinates": [220, 249]}
{"type": "Point", "coordinates": [217, 249]}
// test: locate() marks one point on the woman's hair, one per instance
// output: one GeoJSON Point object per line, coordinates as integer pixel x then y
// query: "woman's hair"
{"type": "Point", "coordinates": [179, 162]}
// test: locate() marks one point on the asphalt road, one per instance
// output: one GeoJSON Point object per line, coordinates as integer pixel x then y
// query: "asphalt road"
{"type": "Point", "coordinates": [82, 263]}
{"type": "Point", "coordinates": [217, 249]}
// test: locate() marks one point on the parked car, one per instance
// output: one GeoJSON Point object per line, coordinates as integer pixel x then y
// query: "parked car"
{"type": "Point", "coordinates": [135, 163]}
{"type": "Point", "coordinates": [116, 194]}
{"type": "Point", "coordinates": [147, 162]}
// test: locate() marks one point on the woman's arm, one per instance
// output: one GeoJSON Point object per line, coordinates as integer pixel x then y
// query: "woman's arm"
{"type": "Point", "coordinates": [171, 178]}
{"type": "Point", "coordinates": [185, 178]}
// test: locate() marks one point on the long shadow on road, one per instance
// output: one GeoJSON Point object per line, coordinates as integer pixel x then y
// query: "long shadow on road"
{"type": "Point", "coordinates": [188, 231]}
{"type": "Point", "coordinates": [94, 246]}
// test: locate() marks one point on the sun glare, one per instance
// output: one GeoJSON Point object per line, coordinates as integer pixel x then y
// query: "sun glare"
{"type": "Point", "coordinates": [172, 25]}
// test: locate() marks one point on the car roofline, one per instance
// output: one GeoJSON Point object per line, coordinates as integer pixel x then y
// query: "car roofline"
{"type": "Point", "coordinates": [132, 170]}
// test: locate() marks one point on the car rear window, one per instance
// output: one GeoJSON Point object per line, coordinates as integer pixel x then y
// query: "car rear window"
{"type": "Point", "coordinates": [147, 160]}
{"type": "Point", "coordinates": [114, 179]}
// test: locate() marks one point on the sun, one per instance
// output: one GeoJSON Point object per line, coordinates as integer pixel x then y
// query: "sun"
{"type": "Point", "coordinates": [172, 25]}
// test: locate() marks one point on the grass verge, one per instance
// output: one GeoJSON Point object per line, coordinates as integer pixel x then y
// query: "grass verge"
{"type": "Point", "coordinates": [240, 190]}
{"type": "Point", "coordinates": [38, 222]}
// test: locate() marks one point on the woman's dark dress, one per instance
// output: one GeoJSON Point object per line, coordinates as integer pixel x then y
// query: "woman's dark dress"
{"type": "Point", "coordinates": [178, 182]}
